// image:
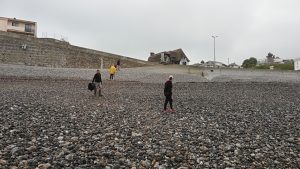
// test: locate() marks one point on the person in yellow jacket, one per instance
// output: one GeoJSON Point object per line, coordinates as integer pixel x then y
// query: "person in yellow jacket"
{"type": "Point", "coordinates": [112, 71]}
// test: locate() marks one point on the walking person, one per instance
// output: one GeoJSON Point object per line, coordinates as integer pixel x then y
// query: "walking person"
{"type": "Point", "coordinates": [112, 71]}
{"type": "Point", "coordinates": [118, 65]}
{"type": "Point", "coordinates": [168, 94]}
{"type": "Point", "coordinates": [98, 83]}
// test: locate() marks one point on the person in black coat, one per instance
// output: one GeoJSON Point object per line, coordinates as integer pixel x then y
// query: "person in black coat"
{"type": "Point", "coordinates": [98, 83]}
{"type": "Point", "coordinates": [118, 65]}
{"type": "Point", "coordinates": [168, 94]}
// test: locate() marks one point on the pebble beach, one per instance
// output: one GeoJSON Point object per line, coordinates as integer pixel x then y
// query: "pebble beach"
{"type": "Point", "coordinates": [49, 119]}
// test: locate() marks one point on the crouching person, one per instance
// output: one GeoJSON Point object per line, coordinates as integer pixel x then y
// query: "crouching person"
{"type": "Point", "coordinates": [98, 83]}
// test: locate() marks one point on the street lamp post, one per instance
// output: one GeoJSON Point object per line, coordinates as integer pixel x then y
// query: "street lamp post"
{"type": "Point", "coordinates": [214, 50]}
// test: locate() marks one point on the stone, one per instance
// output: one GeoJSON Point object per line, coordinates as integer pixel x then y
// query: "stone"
{"type": "Point", "coordinates": [23, 164]}
{"type": "Point", "coordinates": [3, 162]}
{"type": "Point", "coordinates": [69, 157]}
{"type": "Point", "coordinates": [146, 163]}
{"type": "Point", "coordinates": [31, 148]}
{"type": "Point", "coordinates": [44, 166]}
{"type": "Point", "coordinates": [14, 151]}
{"type": "Point", "coordinates": [74, 138]}
{"type": "Point", "coordinates": [60, 138]}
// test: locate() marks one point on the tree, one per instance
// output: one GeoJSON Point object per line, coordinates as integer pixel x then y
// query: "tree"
{"type": "Point", "coordinates": [270, 57]}
{"type": "Point", "coordinates": [202, 62]}
{"type": "Point", "coordinates": [249, 63]}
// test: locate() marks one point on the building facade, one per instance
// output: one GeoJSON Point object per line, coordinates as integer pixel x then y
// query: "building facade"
{"type": "Point", "coordinates": [18, 26]}
{"type": "Point", "coordinates": [297, 64]}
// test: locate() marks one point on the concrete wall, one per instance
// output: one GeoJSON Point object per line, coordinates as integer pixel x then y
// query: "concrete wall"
{"type": "Point", "coordinates": [54, 53]}
{"type": "Point", "coordinates": [3, 24]}
{"type": "Point", "coordinates": [251, 75]}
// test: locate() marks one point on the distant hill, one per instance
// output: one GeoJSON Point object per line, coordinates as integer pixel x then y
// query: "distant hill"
{"type": "Point", "coordinates": [22, 49]}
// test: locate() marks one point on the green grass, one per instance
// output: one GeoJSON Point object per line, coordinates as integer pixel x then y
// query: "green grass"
{"type": "Point", "coordinates": [276, 66]}
{"type": "Point", "coordinates": [262, 67]}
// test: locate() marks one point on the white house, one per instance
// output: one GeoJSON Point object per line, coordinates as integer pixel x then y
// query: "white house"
{"type": "Point", "coordinates": [297, 64]}
{"type": "Point", "coordinates": [18, 26]}
{"type": "Point", "coordinates": [278, 60]}
{"type": "Point", "coordinates": [212, 64]}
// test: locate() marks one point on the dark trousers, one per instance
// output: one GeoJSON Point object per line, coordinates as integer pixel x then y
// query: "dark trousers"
{"type": "Point", "coordinates": [111, 77]}
{"type": "Point", "coordinates": [168, 100]}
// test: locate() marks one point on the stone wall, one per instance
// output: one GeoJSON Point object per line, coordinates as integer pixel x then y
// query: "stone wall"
{"type": "Point", "coordinates": [22, 49]}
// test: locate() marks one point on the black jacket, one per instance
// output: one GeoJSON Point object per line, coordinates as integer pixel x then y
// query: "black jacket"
{"type": "Point", "coordinates": [97, 78]}
{"type": "Point", "coordinates": [168, 88]}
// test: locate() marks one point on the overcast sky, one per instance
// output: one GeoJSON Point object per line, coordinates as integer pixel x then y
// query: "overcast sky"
{"type": "Point", "coordinates": [134, 28]}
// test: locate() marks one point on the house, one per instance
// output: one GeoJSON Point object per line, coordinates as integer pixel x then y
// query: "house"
{"type": "Point", "coordinates": [170, 57]}
{"type": "Point", "coordinates": [278, 60]}
{"type": "Point", "coordinates": [213, 64]}
{"type": "Point", "coordinates": [233, 65]}
{"type": "Point", "coordinates": [297, 64]}
{"type": "Point", "coordinates": [18, 26]}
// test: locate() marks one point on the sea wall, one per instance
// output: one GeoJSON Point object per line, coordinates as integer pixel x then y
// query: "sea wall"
{"type": "Point", "coordinates": [27, 50]}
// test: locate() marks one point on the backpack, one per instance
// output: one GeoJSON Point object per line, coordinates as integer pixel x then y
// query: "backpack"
{"type": "Point", "coordinates": [91, 86]}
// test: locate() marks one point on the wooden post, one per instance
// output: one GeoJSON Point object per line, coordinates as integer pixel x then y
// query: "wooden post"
{"type": "Point", "coordinates": [101, 66]}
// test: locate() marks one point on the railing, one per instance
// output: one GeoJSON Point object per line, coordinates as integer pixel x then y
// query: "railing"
{"type": "Point", "coordinates": [20, 29]}
{"type": "Point", "coordinates": [16, 28]}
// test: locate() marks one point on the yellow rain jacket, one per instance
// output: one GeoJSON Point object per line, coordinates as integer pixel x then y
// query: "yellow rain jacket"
{"type": "Point", "coordinates": [112, 70]}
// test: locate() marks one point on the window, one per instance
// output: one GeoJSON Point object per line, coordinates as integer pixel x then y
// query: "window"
{"type": "Point", "coordinates": [28, 28]}
{"type": "Point", "coordinates": [14, 24]}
